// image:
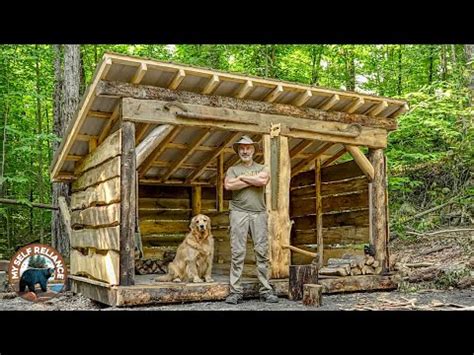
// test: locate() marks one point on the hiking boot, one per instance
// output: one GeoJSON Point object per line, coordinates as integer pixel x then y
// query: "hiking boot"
{"type": "Point", "coordinates": [269, 298]}
{"type": "Point", "coordinates": [234, 298]}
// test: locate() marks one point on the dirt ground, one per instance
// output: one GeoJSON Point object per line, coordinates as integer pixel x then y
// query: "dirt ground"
{"type": "Point", "coordinates": [437, 273]}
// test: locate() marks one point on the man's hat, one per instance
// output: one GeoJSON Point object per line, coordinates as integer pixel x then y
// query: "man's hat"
{"type": "Point", "coordinates": [245, 140]}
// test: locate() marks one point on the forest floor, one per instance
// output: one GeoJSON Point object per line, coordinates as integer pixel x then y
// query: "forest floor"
{"type": "Point", "coordinates": [436, 272]}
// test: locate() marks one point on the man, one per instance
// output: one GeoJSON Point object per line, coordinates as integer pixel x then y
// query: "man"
{"type": "Point", "coordinates": [247, 181]}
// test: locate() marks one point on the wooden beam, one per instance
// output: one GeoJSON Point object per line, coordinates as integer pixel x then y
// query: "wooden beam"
{"type": "Point", "coordinates": [92, 144]}
{"type": "Point", "coordinates": [319, 211]}
{"type": "Point", "coordinates": [105, 70]}
{"type": "Point", "coordinates": [300, 147]}
{"type": "Point", "coordinates": [167, 164]}
{"type": "Point", "coordinates": [65, 216]}
{"type": "Point", "coordinates": [174, 182]}
{"type": "Point", "coordinates": [157, 151]}
{"type": "Point", "coordinates": [139, 74]}
{"type": "Point", "coordinates": [120, 89]}
{"type": "Point", "coordinates": [361, 160]}
{"type": "Point", "coordinates": [279, 224]}
{"type": "Point", "coordinates": [233, 136]}
{"type": "Point", "coordinates": [211, 85]}
{"type": "Point", "coordinates": [99, 114]}
{"type": "Point", "coordinates": [330, 102]}
{"type": "Point", "coordinates": [244, 89]}
{"type": "Point", "coordinates": [196, 200]}
{"type": "Point", "coordinates": [85, 137]}
{"type": "Point", "coordinates": [27, 204]}
{"type": "Point", "coordinates": [378, 109]}
{"type": "Point", "coordinates": [128, 199]}
{"type": "Point", "coordinates": [378, 208]}
{"type": "Point", "coordinates": [335, 157]}
{"type": "Point", "coordinates": [200, 139]}
{"type": "Point", "coordinates": [403, 108]}
{"type": "Point", "coordinates": [140, 132]}
{"type": "Point", "coordinates": [302, 98]}
{"type": "Point", "coordinates": [220, 183]}
{"type": "Point", "coordinates": [152, 140]}
{"type": "Point", "coordinates": [178, 78]}
{"type": "Point", "coordinates": [152, 111]}
{"type": "Point", "coordinates": [274, 94]}
{"type": "Point", "coordinates": [305, 163]}
{"type": "Point", "coordinates": [355, 105]}
{"type": "Point", "coordinates": [110, 123]}
{"type": "Point", "coordinates": [74, 157]}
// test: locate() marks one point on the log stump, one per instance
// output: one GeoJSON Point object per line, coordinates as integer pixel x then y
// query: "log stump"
{"type": "Point", "coordinates": [312, 295]}
{"type": "Point", "coordinates": [300, 275]}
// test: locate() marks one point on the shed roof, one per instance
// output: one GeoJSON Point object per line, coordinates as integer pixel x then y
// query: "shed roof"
{"type": "Point", "coordinates": [94, 112]}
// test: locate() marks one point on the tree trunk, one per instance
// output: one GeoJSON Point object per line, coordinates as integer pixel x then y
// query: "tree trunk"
{"type": "Point", "coordinates": [39, 187]}
{"type": "Point", "coordinates": [66, 100]}
{"type": "Point", "coordinates": [399, 84]}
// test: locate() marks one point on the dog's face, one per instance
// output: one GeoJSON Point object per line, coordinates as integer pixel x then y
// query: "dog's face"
{"type": "Point", "coordinates": [201, 223]}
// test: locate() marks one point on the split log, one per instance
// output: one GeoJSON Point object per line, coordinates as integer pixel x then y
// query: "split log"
{"type": "Point", "coordinates": [339, 271]}
{"type": "Point", "coordinates": [300, 275]}
{"type": "Point", "coordinates": [356, 271]}
{"type": "Point", "coordinates": [335, 262]}
{"type": "Point", "coordinates": [370, 260]}
{"type": "Point", "coordinates": [368, 270]}
{"type": "Point", "coordinates": [312, 295]}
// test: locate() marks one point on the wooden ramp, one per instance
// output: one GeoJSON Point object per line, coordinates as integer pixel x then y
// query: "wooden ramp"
{"type": "Point", "coordinates": [148, 292]}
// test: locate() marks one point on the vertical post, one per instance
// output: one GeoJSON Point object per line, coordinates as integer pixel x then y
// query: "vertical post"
{"type": "Point", "coordinates": [127, 201]}
{"type": "Point", "coordinates": [319, 211]}
{"type": "Point", "coordinates": [220, 183]}
{"type": "Point", "coordinates": [378, 208]}
{"type": "Point", "coordinates": [278, 203]}
{"type": "Point", "coordinates": [196, 197]}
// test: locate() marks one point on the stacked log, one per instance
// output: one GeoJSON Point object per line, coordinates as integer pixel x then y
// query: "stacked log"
{"type": "Point", "coordinates": [152, 266]}
{"type": "Point", "coordinates": [351, 265]}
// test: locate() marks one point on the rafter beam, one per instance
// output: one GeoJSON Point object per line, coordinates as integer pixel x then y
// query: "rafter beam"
{"type": "Point", "coordinates": [300, 147]}
{"type": "Point", "coordinates": [330, 102]}
{"type": "Point", "coordinates": [244, 90]}
{"type": "Point", "coordinates": [355, 105]}
{"type": "Point", "coordinates": [303, 98]}
{"type": "Point", "coordinates": [334, 158]}
{"type": "Point", "coordinates": [178, 78]}
{"type": "Point", "coordinates": [308, 161]}
{"type": "Point", "coordinates": [110, 123]}
{"type": "Point", "coordinates": [140, 132]}
{"type": "Point", "coordinates": [99, 114]}
{"type": "Point", "coordinates": [157, 152]}
{"type": "Point", "coordinates": [378, 109]}
{"type": "Point", "coordinates": [211, 85]}
{"type": "Point", "coordinates": [139, 74]}
{"type": "Point", "coordinates": [274, 94]}
{"type": "Point", "coordinates": [71, 157]}
{"type": "Point", "coordinates": [187, 154]}
{"type": "Point", "coordinates": [233, 136]}
{"type": "Point", "coordinates": [152, 140]}
{"type": "Point", "coordinates": [85, 137]}
{"type": "Point", "coordinates": [167, 164]}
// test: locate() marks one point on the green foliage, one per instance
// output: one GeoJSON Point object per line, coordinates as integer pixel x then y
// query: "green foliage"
{"type": "Point", "coordinates": [37, 261]}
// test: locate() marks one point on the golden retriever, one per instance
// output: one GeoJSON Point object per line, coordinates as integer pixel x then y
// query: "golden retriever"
{"type": "Point", "coordinates": [193, 260]}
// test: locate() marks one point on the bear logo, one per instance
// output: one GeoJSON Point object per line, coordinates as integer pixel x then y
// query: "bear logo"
{"type": "Point", "coordinates": [31, 277]}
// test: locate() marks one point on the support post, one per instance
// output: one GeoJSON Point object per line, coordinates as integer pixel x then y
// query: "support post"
{"type": "Point", "coordinates": [278, 203]}
{"type": "Point", "coordinates": [319, 212]}
{"type": "Point", "coordinates": [220, 183]}
{"type": "Point", "coordinates": [127, 200]}
{"type": "Point", "coordinates": [196, 197]}
{"type": "Point", "coordinates": [378, 208]}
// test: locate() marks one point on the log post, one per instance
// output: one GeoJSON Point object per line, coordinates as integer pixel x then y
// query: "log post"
{"type": "Point", "coordinates": [196, 196]}
{"type": "Point", "coordinates": [66, 216]}
{"type": "Point", "coordinates": [378, 209]}
{"type": "Point", "coordinates": [312, 295]}
{"type": "Point", "coordinates": [220, 183]}
{"type": "Point", "coordinates": [278, 203]}
{"type": "Point", "coordinates": [299, 276]}
{"type": "Point", "coordinates": [319, 212]}
{"type": "Point", "coordinates": [128, 199]}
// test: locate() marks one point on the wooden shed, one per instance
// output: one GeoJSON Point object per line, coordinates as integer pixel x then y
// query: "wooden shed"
{"type": "Point", "coordinates": [150, 144]}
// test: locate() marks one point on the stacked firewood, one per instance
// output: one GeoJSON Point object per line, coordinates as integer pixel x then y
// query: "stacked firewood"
{"type": "Point", "coordinates": [153, 266]}
{"type": "Point", "coordinates": [351, 265]}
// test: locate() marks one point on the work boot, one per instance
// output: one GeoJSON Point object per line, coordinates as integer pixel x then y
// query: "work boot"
{"type": "Point", "coordinates": [269, 298]}
{"type": "Point", "coordinates": [234, 298]}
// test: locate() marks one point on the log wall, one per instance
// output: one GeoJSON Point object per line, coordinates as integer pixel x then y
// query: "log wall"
{"type": "Point", "coordinates": [345, 206]}
{"type": "Point", "coordinates": [95, 213]}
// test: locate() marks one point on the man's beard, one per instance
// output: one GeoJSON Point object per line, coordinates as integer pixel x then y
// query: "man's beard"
{"type": "Point", "coordinates": [245, 158]}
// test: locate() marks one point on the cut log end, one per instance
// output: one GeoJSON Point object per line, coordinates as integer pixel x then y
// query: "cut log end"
{"type": "Point", "coordinates": [312, 295]}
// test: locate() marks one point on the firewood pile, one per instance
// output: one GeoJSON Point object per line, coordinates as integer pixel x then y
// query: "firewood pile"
{"type": "Point", "coordinates": [153, 266]}
{"type": "Point", "coordinates": [351, 265]}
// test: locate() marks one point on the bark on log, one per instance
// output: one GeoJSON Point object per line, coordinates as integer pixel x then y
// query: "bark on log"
{"type": "Point", "coordinates": [300, 275]}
